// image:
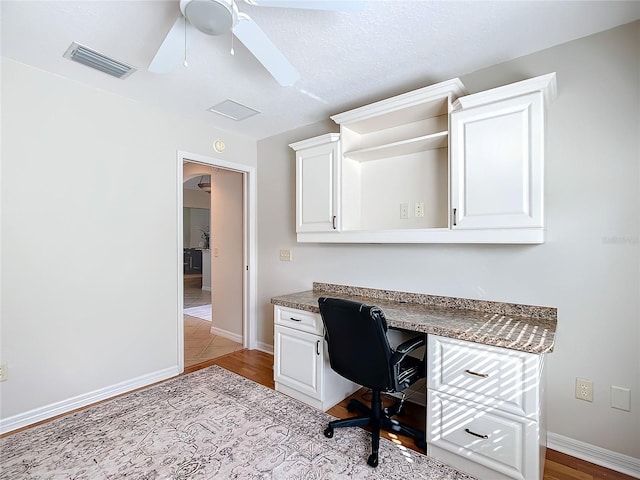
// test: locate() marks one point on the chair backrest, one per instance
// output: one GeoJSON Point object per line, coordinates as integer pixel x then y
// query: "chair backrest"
{"type": "Point", "coordinates": [357, 342]}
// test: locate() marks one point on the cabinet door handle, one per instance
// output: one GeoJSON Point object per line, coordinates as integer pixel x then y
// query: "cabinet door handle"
{"type": "Point", "coordinates": [318, 347]}
{"type": "Point", "coordinates": [295, 319]}
{"type": "Point", "coordinates": [481, 375]}
{"type": "Point", "coordinates": [454, 216]}
{"type": "Point", "coordinates": [476, 434]}
{"type": "Point", "coordinates": [333, 222]}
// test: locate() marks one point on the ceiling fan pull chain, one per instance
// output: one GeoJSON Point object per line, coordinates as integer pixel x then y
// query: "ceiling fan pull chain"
{"type": "Point", "coordinates": [185, 42]}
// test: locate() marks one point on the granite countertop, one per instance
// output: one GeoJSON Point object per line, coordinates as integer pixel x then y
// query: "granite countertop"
{"type": "Point", "coordinates": [518, 327]}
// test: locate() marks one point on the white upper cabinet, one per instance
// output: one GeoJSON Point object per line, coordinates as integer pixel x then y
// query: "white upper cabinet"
{"type": "Point", "coordinates": [434, 165]}
{"type": "Point", "coordinates": [317, 184]}
{"type": "Point", "coordinates": [497, 158]}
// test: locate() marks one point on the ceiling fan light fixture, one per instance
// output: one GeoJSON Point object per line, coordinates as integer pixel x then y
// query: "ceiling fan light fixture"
{"type": "Point", "coordinates": [213, 17]}
{"type": "Point", "coordinates": [205, 184]}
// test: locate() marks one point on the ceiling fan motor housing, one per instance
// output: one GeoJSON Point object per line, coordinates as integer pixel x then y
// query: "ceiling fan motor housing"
{"type": "Point", "coordinates": [213, 17]}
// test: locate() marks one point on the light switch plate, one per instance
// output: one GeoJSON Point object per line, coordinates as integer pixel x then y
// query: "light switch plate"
{"type": "Point", "coordinates": [285, 255]}
{"type": "Point", "coordinates": [404, 210]}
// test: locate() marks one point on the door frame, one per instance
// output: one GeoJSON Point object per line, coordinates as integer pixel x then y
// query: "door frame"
{"type": "Point", "coordinates": [249, 248]}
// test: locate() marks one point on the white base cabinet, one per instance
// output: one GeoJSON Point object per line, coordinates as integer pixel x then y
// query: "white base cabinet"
{"type": "Point", "coordinates": [301, 363]}
{"type": "Point", "coordinates": [485, 409]}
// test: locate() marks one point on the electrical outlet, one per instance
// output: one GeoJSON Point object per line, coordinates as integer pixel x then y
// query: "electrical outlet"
{"type": "Point", "coordinates": [584, 389]}
{"type": "Point", "coordinates": [404, 210]}
{"type": "Point", "coordinates": [419, 209]}
{"type": "Point", "coordinates": [4, 372]}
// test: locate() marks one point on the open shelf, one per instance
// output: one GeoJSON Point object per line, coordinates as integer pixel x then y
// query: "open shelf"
{"type": "Point", "coordinates": [404, 147]}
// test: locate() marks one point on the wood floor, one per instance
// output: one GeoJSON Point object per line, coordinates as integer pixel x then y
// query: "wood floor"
{"type": "Point", "coordinates": [258, 366]}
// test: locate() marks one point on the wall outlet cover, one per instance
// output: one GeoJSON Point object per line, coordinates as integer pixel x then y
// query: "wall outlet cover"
{"type": "Point", "coordinates": [584, 389]}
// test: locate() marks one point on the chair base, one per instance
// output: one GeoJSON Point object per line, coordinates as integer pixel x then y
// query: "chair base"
{"type": "Point", "coordinates": [375, 418]}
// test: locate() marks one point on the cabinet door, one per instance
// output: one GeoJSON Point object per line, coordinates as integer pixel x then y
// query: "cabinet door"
{"type": "Point", "coordinates": [497, 154]}
{"type": "Point", "coordinates": [317, 192]}
{"type": "Point", "coordinates": [298, 361]}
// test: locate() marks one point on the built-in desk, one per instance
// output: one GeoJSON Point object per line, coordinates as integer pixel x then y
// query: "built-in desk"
{"type": "Point", "coordinates": [485, 375]}
{"type": "Point", "coordinates": [518, 327]}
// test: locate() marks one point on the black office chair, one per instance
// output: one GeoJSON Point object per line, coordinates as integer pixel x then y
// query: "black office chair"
{"type": "Point", "coordinates": [359, 350]}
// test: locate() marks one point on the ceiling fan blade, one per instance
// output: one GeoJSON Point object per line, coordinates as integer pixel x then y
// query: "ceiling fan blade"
{"type": "Point", "coordinates": [340, 5]}
{"type": "Point", "coordinates": [171, 51]}
{"type": "Point", "coordinates": [252, 36]}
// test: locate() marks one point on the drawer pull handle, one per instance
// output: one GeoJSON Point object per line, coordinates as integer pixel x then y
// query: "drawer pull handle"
{"type": "Point", "coordinates": [481, 375]}
{"type": "Point", "coordinates": [484, 437]}
{"type": "Point", "coordinates": [295, 319]}
{"type": "Point", "coordinates": [318, 347]}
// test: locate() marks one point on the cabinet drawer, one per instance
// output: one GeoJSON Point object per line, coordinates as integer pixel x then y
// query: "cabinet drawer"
{"type": "Point", "coordinates": [500, 441]}
{"type": "Point", "coordinates": [299, 320]}
{"type": "Point", "coordinates": [497, 377]}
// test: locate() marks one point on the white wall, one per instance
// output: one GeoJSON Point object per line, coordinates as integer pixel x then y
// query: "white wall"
{"type": "Point", "coordinates": [588, 268]}
{"type": "Point", "coordinates": [195, 198]}
{"type": "Point", "coordinates": [89, 306]}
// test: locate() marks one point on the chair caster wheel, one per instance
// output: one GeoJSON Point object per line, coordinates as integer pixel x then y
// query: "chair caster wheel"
{"type": "Point", "coordinates": [373, 460]}
{"type": "Point", "coordinates": [328, 432]}
{"type": "Point", "coordinates": [351, 407]}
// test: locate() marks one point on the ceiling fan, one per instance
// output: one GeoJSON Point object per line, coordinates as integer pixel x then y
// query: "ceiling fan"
{"type": "Point", "coordinates": [216, 17]}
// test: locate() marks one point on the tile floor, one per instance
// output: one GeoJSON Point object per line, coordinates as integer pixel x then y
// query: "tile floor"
{"type": "Point", "coordinates": [200, 344]}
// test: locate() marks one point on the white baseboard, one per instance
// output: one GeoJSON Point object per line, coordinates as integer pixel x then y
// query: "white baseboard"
{"type": "Point", "coordinates": [265, 347]}
{"type": "Point", "coordinates": [227, 334]}
{"type": "Point", "coordinates": [206, 289]}
{"type": "Point", "coordinates": [593, 454]}
{"type": "Point", "coordinates": [65, 406]}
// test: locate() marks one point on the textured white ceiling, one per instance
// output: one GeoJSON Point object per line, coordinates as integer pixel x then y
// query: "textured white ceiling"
{"type": "Point", "coordinates": [346, 59]}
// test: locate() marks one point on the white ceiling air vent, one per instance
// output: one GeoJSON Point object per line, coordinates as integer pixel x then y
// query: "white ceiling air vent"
{"type": "Point", "coordinates": [91, 58]}
{"type": "Point", "coordinates": [233, 110]}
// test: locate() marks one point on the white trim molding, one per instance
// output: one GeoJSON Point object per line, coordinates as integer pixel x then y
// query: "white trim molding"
{"type": "Point", "coordinates": [593, 454]}
{"type": "Point", "coordinates": [250, 254]}
{"type": "Point", "coordinates": [234, 337]}
{"type": "Point", "coordinates": [265, 347]}
{"type": "Point", "coordinates": [65, 406]}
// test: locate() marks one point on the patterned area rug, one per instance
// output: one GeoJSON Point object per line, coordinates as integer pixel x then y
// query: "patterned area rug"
{"type": "Point", "coordinates": [211, 424]}
{"type": "Point", "coordinates": [203, 312]}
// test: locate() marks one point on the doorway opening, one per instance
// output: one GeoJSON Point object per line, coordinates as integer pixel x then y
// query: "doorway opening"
{"type": "Point", "coordinates": [216, 287]}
